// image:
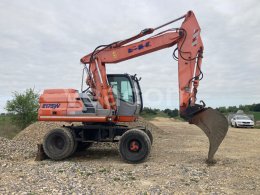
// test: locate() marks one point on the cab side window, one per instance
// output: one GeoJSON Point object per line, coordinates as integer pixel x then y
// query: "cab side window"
{"type": "Point", "coordinates": [122, 88]}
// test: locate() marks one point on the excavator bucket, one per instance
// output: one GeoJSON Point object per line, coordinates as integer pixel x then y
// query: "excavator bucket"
{"type": "Point", "coordinates": [215, 126]}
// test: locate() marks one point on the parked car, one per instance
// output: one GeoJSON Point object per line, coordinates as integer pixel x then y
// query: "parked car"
{"type": "Point", "coordinates": [242, 121]}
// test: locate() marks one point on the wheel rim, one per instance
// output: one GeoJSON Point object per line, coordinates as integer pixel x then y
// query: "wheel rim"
{"type": "Point", "coordinates": [134, 146]}
{"type": "Point", "coordinates": [58, 142]}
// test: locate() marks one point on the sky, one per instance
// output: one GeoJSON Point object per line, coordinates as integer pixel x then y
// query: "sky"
{"type": "Point", "coordinates": [41, 43]}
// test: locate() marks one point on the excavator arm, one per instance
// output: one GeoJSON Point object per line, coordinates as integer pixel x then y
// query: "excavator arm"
{"type": "Point", "coordinates": [190, 54]}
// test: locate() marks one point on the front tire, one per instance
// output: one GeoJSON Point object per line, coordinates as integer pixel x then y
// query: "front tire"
{"type": "Point", "coordinates": [59, 143]}
{"type": "Point", "coordinates": [134, 146]}
{"type": "Point", "coordinates": [236, 125]}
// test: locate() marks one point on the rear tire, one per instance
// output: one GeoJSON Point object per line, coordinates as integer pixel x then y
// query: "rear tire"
{"type": "Point", "coordinates": [150, 135]}
{"type": "Point", "coordinates": [134, 146]}
{"type": "Point", "coordinates": [59, 143]}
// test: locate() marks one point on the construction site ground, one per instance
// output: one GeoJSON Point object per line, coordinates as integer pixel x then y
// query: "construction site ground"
{"type": "Point", "coordinates": [176, 165]}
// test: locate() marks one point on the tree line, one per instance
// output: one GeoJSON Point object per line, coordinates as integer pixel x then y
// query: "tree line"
{"type": "Point", "coordinates": [222, 109]}
{"type": "Point", "coordinates": [245, 108]}
{"type": "Point", "coordinates": [154, 111]}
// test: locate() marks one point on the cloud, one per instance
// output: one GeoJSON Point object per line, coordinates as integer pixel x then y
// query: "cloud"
{"type": "Point", "coordinates": [41, 43]}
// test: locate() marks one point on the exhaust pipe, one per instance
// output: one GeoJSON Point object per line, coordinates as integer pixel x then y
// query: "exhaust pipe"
{"type": "Point", "coordinates": [212, 122]}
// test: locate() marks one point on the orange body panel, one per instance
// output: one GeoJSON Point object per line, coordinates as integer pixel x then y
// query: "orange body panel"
{"type": "Point", "coordinates": [57, 103]}
{"type": "Point", "coordinates": [126, 118]}
{"type": "Point", "coordinates": [74, 118]}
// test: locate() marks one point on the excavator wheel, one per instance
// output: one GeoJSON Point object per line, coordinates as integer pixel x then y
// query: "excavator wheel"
{"type": "Point", "coordinates": [59, 143]}
{"type": "Point", "coordinates": [150, 135]}
{"type": "Point", "coordinates": [134, 146]}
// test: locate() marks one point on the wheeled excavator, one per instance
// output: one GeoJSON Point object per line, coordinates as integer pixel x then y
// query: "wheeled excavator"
{"type": "Point", "coordinates": [114, 98]}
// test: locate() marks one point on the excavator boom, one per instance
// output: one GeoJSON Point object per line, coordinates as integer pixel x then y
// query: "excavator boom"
{"type": "Point", "coordinates": [190, 53]}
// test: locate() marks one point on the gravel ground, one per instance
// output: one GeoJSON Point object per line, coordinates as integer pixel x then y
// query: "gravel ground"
{"type": "Point", "coordinates": [176, 165]}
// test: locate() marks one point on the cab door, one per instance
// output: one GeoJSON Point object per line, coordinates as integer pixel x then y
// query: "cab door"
{"type": "Point", "coordinates": [138, 94]}
{"type": "Point", "coordinates": [124, 93]}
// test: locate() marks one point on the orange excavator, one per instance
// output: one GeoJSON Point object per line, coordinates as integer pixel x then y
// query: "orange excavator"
{"type": "Point", "coordinates": [114, 98]}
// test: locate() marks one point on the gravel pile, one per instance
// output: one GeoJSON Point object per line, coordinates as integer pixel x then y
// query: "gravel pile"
{"type": "Point", "coordinates": [34, 133]}
{"type": "Point", "coordinates": [15, 150]}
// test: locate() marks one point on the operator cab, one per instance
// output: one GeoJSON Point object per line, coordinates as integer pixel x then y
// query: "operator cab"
{"type": "Point", "coordinates": [127, 92]}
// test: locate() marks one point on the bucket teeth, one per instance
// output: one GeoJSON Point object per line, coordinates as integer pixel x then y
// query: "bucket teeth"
{"type": "Point", "coordinates": [215, 126]}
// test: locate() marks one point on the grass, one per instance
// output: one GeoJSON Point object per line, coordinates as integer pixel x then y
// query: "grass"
{"type": "Point", "coordinates": [256, 116]}
{"type": "Point", "coordinates": [7, 128]}
{"type": "Point", "coordinates": [150, 116]}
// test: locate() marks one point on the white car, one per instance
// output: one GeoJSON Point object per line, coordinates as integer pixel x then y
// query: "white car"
{"type": "Point", "coordinates": [242, 121]}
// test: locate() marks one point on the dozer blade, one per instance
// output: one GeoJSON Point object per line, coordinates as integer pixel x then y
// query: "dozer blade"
{"type": "Point", "coordinates": [215, 126]}
{"type": "Point", "coordinates": [40, 153]}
